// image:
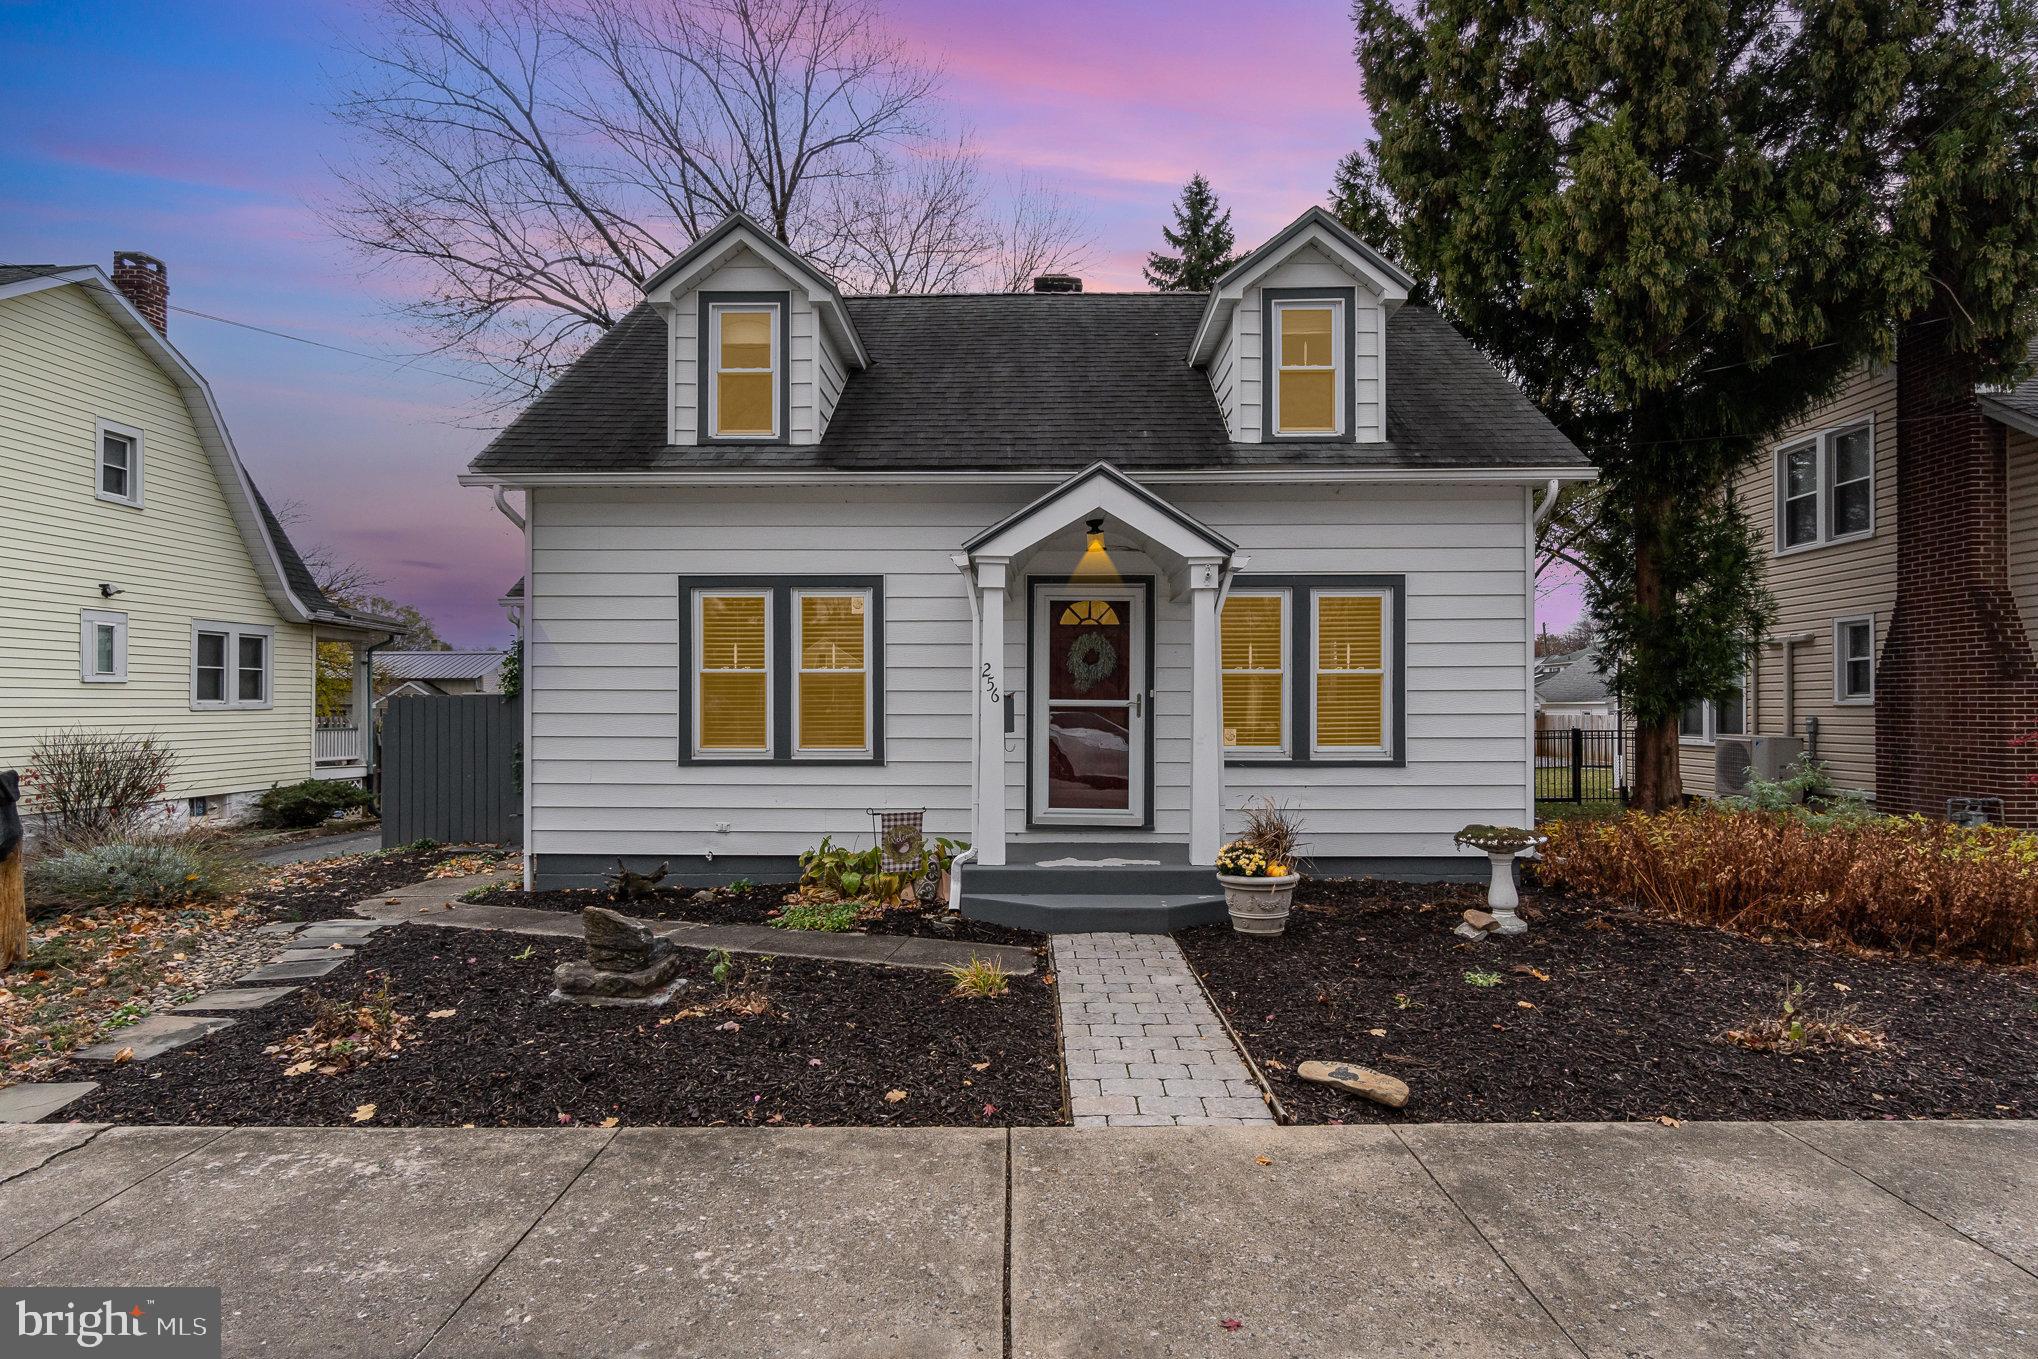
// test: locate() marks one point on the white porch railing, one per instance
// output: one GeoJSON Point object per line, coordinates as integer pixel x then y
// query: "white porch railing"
{"type": "Point", "coordinates": [337, 743]}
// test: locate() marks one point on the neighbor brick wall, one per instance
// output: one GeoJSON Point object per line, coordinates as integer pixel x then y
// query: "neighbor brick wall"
{"type": "Point", "coordinates": [1957, 680]}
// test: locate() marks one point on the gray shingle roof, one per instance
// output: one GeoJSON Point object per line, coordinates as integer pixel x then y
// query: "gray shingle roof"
{"type": "Point", "coordinates": [2021, 401]}
{"type": "Point", "coordinates": [1051, 382]}
{"type": "Point", "coordinates": [1571, 678]}
{"type": "Point", "coordinates": [16, 273]}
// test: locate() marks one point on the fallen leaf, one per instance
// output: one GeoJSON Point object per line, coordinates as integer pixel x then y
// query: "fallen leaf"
{"type": "Point", "coordinates": [303, 1068]}
{"type": "Point", "coordinates": [1842, 986]}
{"type": "Point", "coordinates": [392, 901]}
{"type": "Point", "coordinates": [1669, 1122]}
{"type": "Point", "coordinates": [990, 1109]}
{"type": "Point", "coordinates": [611, 1121]}
{"type": "Point", "coordinates": [1526, 1004]}
{"type": "Point", "coordinates": [440, 1014]}
{"type": "Point", "coordinates": [363, 1113]}
{"type": "Point", "coordinates": [1273, 1065]}
{"type": "Point", "coordinates": [979, 1066]}
{"type": "Point", "coordinates": [729, 1026]}
{"type": "Point", "coordinates": [1377, 1033]}
{"type": "Point", "coordinates": [123, 1057]}
{"type": "Point", "coordinates": [894, 1096]}
{"type": "Point", "coordinates": [565, 1117]}
{"type": "Point", "coordinates": [1263, 1160]}
{"type": "Point", "coordinates": [1231, 1324]}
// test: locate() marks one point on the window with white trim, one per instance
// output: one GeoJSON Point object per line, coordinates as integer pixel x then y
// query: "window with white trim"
{"type": "Point", "coordinates": [1704, 720]}
{"type": "Point", "coordinates": [1825, 488]}
{"type": "Point", "coordinates": [744, 352]}
{"type": "Point", "coordinates": [232, 665]}
{"type": "Point", "coordinates": [1309, 361]}
{"type": "Point", "coordinates": [1854, 660]}
{"type": "Point", "coordinates": [118, 463]}
{"type": "Point", "coordinates": [1253, 662]}
{"type": "Point", "coordinates": [831, 682]}
{"type": "Point", "coordinates": [102, 647]}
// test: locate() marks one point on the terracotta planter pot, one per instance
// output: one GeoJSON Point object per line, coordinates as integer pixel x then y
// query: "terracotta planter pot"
{"type": "Point", "coordinates": [1259, 905]}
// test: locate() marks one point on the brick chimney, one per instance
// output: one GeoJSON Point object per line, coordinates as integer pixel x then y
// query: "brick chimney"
{"type": "Point", "coordinates": [1057, 283]}
{"type": "Point", "coordinates": [1957, 680]}
{"type": "Point", "coordinates": [146, 283]}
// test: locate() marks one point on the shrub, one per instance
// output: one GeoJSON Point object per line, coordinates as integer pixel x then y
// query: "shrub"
{"type": "Point", "coordinates": [834, 917]}
{"type": "Point", "coordinates": [1271, 830]}
{"type": "Point", "coordinates": [135, 872]}
{"type": "Point", "coordinates": [1906, 884]}
{"type": "Point", "coordinates": [296, 806]}
{"type": "Point", "coordinates": [91, 786]}
{"type": "Point", "coordinates": [979, 979]}
{"type": "Point", "coordinates": [1797, 1028]}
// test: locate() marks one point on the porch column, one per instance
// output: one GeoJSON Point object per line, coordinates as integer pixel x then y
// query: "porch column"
{"type": "Point", "coordinates": [991, 697]}
{"type": "Point", "coordinates": [1206, 720]}
{"type": "Point", "coordinates": [363, 702]}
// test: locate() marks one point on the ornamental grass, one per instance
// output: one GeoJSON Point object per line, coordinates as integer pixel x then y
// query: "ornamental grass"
{"type": "Point", "coordinates": [1904, 884]}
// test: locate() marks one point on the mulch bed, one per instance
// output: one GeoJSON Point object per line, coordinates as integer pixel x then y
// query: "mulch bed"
{"type": "Point", "coordinates": [327, 889]}
{"type": "Point", "coordinates": [839, 1037]}
{"type": "Point", "coordinates": [1626, 1027]}
{"type": "Point", "coordinates": [760, 905]}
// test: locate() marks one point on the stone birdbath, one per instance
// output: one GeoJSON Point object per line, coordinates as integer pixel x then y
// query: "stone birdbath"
{"type": "Point", "coordinates": [1500, 844]}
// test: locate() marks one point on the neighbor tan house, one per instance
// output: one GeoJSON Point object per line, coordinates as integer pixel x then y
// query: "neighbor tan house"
{"type": "Point", "coordinates": [149, 588]}
{"type": "Point", "coordinates": [1899, 526]}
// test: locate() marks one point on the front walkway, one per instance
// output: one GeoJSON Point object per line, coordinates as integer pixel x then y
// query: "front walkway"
{"type": "Point", "coordinates": [1890, 1239]}
{"type": "Point", "coordinates": [1142, 1045]}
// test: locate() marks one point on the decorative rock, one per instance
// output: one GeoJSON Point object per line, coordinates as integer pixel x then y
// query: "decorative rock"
{"type": "Point", "coordinates": [705, 897]}
{"type": "Point", "coordinates": [150, 1038]}
{"type": "Point", "coordinates": [616, 943]}
{"type": "Point", "coordinates": [1376, 1086]}
{"type": "Point", "coordinates": [1471, 932]}
{"type": "Point", "coordinates": [1481, 920]}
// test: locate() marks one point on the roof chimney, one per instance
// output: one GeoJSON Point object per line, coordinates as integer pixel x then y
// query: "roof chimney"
{"type": "Point", "coordinates": [1057, 283]}
{"type": "Point", "coordinates": [146, 283]}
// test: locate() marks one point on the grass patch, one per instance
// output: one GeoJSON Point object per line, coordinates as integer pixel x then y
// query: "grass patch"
{"type": "Point", "coordinates": [979, 979]}
{"type": "Point", "coordinates": [834, 917]}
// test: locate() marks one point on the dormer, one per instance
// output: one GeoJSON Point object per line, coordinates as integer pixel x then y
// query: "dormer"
{"type": "Point", "coordinates": [1294, 337]}
{"type": "Point", "coordinates": [760, 341]}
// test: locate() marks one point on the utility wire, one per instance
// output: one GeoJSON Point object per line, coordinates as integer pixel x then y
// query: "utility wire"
{"type": "Point", "coordinates": [391, 360]}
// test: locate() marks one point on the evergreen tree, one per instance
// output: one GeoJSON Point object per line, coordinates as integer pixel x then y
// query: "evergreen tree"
{"type": "Point", "coordinates": [1681, 224]}
{"type": "Point", "coordinates": [1201, 239]}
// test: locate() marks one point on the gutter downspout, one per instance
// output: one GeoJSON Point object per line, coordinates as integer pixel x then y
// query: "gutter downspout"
{"type": "Point", "coordinates": [1537, 513]}
{"type": "Point", "coordinates": [960, 561]}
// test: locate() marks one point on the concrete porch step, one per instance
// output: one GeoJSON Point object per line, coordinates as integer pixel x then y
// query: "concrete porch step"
{"type": "Point", "coordinates": [1066, 912]}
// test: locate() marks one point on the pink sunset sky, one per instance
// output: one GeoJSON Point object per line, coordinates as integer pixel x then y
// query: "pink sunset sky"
{"type": "Point", "coordinates": [198, 132]}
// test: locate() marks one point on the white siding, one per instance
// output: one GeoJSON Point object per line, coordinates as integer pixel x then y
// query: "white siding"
{"type": "Point", "coordinates": [64, 366]}
{"type": "Point", "coordinates": [605, 681]}
{"type": "Point", "coordinates": [813, 370]}
{"type": "Point", "coordinates": [1307, 268]}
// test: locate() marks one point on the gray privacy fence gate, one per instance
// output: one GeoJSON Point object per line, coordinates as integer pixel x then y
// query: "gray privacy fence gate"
{"type": "Point", "coordinates": [449, 769]}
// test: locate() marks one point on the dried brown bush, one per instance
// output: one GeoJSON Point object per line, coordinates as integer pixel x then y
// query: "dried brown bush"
{"type": "Point", "coordinates": [1904, 884]}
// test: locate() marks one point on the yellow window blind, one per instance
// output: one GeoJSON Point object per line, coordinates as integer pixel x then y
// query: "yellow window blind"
{"type": "Point", "coordinates": [834, 674]}
{"type": "Point", "coordinates": [1251, 646]}
{"type": "Point", "coordinates": [1308, 370]}
{"type": "Point", "coordinates": [735, 675]}
{"type": "Point", "coordinates": [1351, 673]}
{"type": "Point", "coordinates": [746, 386]}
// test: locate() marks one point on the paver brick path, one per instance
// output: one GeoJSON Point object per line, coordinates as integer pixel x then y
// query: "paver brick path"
{"type": "Point", "coordinates": [1143, 1046]}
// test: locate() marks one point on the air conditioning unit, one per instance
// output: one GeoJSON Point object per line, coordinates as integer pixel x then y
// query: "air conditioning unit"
{"type": "Point", "coordinates": [1739, 760]}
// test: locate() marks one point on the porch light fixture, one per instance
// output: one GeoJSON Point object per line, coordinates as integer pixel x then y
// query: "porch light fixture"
{"type": "Point", "coordinates": [1095, 565]}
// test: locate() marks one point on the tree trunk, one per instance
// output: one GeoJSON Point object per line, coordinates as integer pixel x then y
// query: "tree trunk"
{"type": "Point", "coordinates": [13, 912]}
{"type": "Point", "coordinates": [1659, 783]}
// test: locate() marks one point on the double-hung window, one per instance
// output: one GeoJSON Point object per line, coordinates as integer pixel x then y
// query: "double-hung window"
{"type": "Point", "coordinates": [784, 669]}
{"type": "Point", "coordinates": [1309, 358]}
{"type": "Point", "coordinates": [1854, 660]}
{"type": "Point", "coordinates": [232, 665]}
{"type": "Point", "coordinates": [102, 647]}
{"type": "Point", "coordinates": [745, 351]}
{"type": "Point", "coordinates": [118, 471]}
{"type": "Point", "coordinates": [1311, 669]}
{"type": "Point", "coordinates": [1825, 488]}
{"type": "Point", "coordinates": [1704, 720]}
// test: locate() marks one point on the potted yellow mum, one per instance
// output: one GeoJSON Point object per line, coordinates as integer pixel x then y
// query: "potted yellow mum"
{"type": "Point", "coordinates": [1257, 871]}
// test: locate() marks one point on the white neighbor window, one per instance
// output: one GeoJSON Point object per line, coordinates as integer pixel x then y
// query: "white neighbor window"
{"type": "Point", "coordinates": [1825, 488]}
{"type": "Point", "coordinates": [743, 349]}
{"type": "Point", "coordinates": [102, 647]}
{"type": "Point", "coordinates": [232, 665]}
{"type": "Point", "coordinates": [1704, 721]}
{"type": "Point", "coordinates": [1309, 361]}
{"type": "Point", "coordinates": [1854, 660]}
{"type": "Point", "coordinates": [117, 463]}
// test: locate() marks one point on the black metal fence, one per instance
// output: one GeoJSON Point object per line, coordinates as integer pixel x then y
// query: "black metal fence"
{"type": "Point", "coordinates": [1577, 765]}
{"type": "Point", "coordinates": [449, 770]}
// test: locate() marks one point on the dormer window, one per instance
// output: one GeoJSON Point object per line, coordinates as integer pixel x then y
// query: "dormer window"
{"type": "Point", "coordinates": [1309, 380]}
{"type": "Point", "coordinates": [746, 354]}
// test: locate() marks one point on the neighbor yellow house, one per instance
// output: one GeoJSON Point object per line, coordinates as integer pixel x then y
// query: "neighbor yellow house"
{"type": "Point", "coordinates": [148, 587]}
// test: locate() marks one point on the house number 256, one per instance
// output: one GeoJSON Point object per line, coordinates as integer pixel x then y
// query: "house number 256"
{"type": "Point", "coordinates": [991, 683]}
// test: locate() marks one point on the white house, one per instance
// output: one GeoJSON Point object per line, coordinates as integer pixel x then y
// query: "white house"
{"type": "Point", "coordinates": [1075, 574]}
{"type": "Point", "coordinates": [149, 587]}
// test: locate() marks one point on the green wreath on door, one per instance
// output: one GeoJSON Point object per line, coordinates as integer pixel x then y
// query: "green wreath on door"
{"type": "Point", "coordinates": [1091, 660]}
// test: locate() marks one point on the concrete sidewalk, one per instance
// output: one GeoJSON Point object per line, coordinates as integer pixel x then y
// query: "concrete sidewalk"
{"type": "Point", "coordinates": [1890, 1239]}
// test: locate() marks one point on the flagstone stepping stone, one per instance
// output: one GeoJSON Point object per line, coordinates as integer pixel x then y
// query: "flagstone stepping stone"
{"type": "Point", "coordinates": [28, 1102]}
{"type": "Point", "coordinates": [234, 998]}
{"type": "Point", "coordinates": [280, 927]}
{"type": "Point", "coordinates": [152, 1037]}
{"type": "Point", "coordinates": [289, 972]}
{"type": "Point", "coordinates": [343, 931]}
{"type": "Point", "coordinates": [1376, 1086]}
{"type": "Point", "coordinates": [313, 955]}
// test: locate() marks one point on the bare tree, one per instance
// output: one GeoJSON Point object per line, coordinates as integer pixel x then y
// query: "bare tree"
{"type": "Point", "coordinates": [1041, 232]}
{"type": "Point", "coordinates": [533, 161]}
